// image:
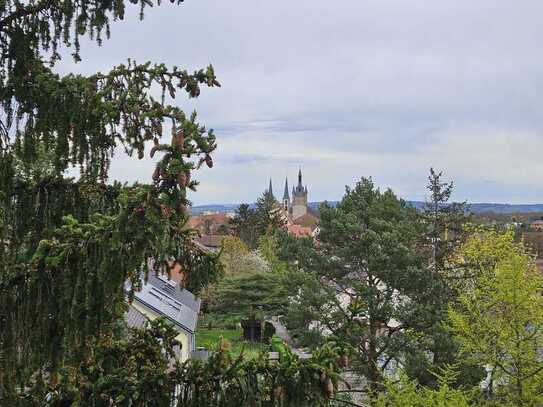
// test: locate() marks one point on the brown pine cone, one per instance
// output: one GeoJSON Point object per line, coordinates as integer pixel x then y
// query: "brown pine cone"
{"type": "Point", "coordinates": [182, 180]}
{"type": "Point", "coordinates": [180, 138]}
{"type": "Point", "coordinates": [344, 361]}
{"type": "Point", "coordinates": [329, 388]}
{"type": "Point", "coordinates": [157, 128]}
{"type": "Point", "coordinates": [209, 161]}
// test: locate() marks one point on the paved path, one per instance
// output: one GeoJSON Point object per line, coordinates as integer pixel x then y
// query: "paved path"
{"type": "Point", "coordinates": [281, 332]}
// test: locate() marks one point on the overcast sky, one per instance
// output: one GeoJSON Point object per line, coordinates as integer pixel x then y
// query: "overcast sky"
{"type": "Point", "coordinates": [352, 88]}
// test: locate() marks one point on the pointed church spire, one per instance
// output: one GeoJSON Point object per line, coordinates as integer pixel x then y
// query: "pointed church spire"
{"type": "Point", "coordinates": [270, 189]}
{"type": "Point", "coordinates": [285, 194]}
{"type": "Point", "coordinates": [300, 177]}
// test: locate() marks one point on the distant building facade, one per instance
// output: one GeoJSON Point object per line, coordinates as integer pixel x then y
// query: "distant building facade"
{"type": "Point", "coordinates": [211, 228]}
{"type": "Point", "coordinates": [300, 221]}
{"type": "Point", "coordinates": [297, 206]}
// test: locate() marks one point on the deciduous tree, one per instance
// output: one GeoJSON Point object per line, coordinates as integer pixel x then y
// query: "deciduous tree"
{"type": "Point", "coordinates": [499, 318]}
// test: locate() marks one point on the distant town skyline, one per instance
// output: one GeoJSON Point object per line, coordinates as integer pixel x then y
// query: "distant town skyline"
{"type": "Point", "coordinates": [353, 88]}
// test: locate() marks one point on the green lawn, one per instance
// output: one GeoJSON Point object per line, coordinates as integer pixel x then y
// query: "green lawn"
{"type": "Point", "coordinates": [208, 338]}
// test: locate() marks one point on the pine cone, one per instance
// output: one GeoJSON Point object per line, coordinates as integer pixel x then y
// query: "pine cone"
{"type": "Point", "coordinates": [166, 210]}
{"type": "Point", "coordinates": [322, 378]}
{"type": "Point", "coordinates": [180, 138]}
{"type": "Point", "coordinates": [329, 389]}
{"type": "Point", "coordinates": [182, 180]}
{"type": "Point", "coordinates": [209, 161]}
{"type": "Point", "coordinates": [344, 361]}
{"type": "Point", "coordinates": [157, 128]}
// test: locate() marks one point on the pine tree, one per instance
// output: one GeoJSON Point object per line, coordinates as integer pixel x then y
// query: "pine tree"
{"type": "Point", "coordinates": [445, 221]}
{"type": "Point", "coordinates": [245, 225]}
{"type": "Point", "coordinates": [443, 232]}
{"type": "Point", "coordinates": [367, 266]}
{"type": "Point", "coordinates": [270, 215]}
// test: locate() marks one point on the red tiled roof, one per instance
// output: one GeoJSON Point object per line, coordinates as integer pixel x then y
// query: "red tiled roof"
{"type": "Point", "coordinates": [299, 231]}
{"type": "Point", "coordinates": [307, 220]}
{"type": "Point", "coordinates": [218, 218]}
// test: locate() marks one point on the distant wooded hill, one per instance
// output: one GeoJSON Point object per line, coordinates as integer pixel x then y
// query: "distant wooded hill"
{"type": "Point", "coordinates": [475, 207]}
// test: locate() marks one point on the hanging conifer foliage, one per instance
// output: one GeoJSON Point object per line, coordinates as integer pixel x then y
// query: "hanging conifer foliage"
{"type": "Point", "coordinates": [68, 247]}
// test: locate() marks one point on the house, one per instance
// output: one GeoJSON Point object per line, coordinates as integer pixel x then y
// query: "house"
{"type": "Point", "coordinates": [161, 297]}
{"type": "Point", "coordinates": [308, 220]}
{"type": "Point", "coordinates": [299, 219]}
{"type": "Point", "coordinates": [211, 242]}
{"type": "Point", "coordinates": [211, 228]}
{"type": "Point", "coordinates": [210, 224]}
{"type": "Point", "coordinates": [299, 231]}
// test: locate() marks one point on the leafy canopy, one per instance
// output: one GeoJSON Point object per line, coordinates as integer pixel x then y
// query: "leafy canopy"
{"type": "Point", "coordinates": [499, 318]}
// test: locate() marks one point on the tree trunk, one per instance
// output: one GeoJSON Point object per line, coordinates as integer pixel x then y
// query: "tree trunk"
{"type": "Point", "coordinates": [375, 377]}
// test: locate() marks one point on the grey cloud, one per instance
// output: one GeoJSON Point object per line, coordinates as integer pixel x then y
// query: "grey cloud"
{"type": "Point", "coordinates": [353, 87]}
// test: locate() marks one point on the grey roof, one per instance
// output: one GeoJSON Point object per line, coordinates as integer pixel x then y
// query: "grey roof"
{"type": "Point", "coordinates": [134, 318]}
{"type": "Point", "coordinates": [285, 194]}
{"type": "Point", "coordinates": [171, 287]}
{"type": "Point", "coordinates": [164, 297]}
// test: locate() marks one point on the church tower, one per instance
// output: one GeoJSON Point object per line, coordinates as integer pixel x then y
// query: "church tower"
{"type": "Point", "coordinates": [299, 198]}
{"type": "Point", "coordinates": [286, 197]}
{"type": "Point", "coordinates": [270, 189]}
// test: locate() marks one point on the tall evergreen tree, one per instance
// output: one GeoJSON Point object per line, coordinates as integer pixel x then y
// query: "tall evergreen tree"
{"type": "Point", "coordinates": [443, 232]}
{"type": "Point", "coordinates": [270, 215]}
{"type": "Point", "coordinates": [245, 225]}
{"type": "Point", "coordinates": [444, 221]}
{"type": "Point", "coordinates": [67, 247]}
{"type": "Point", "coordinates": [367, 265]}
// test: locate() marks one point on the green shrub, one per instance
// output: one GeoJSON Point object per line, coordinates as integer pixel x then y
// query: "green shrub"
{"type": "Point", "coordinates": [277, 345]}
{"type": "Point", "coordinates": [268, 332]}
